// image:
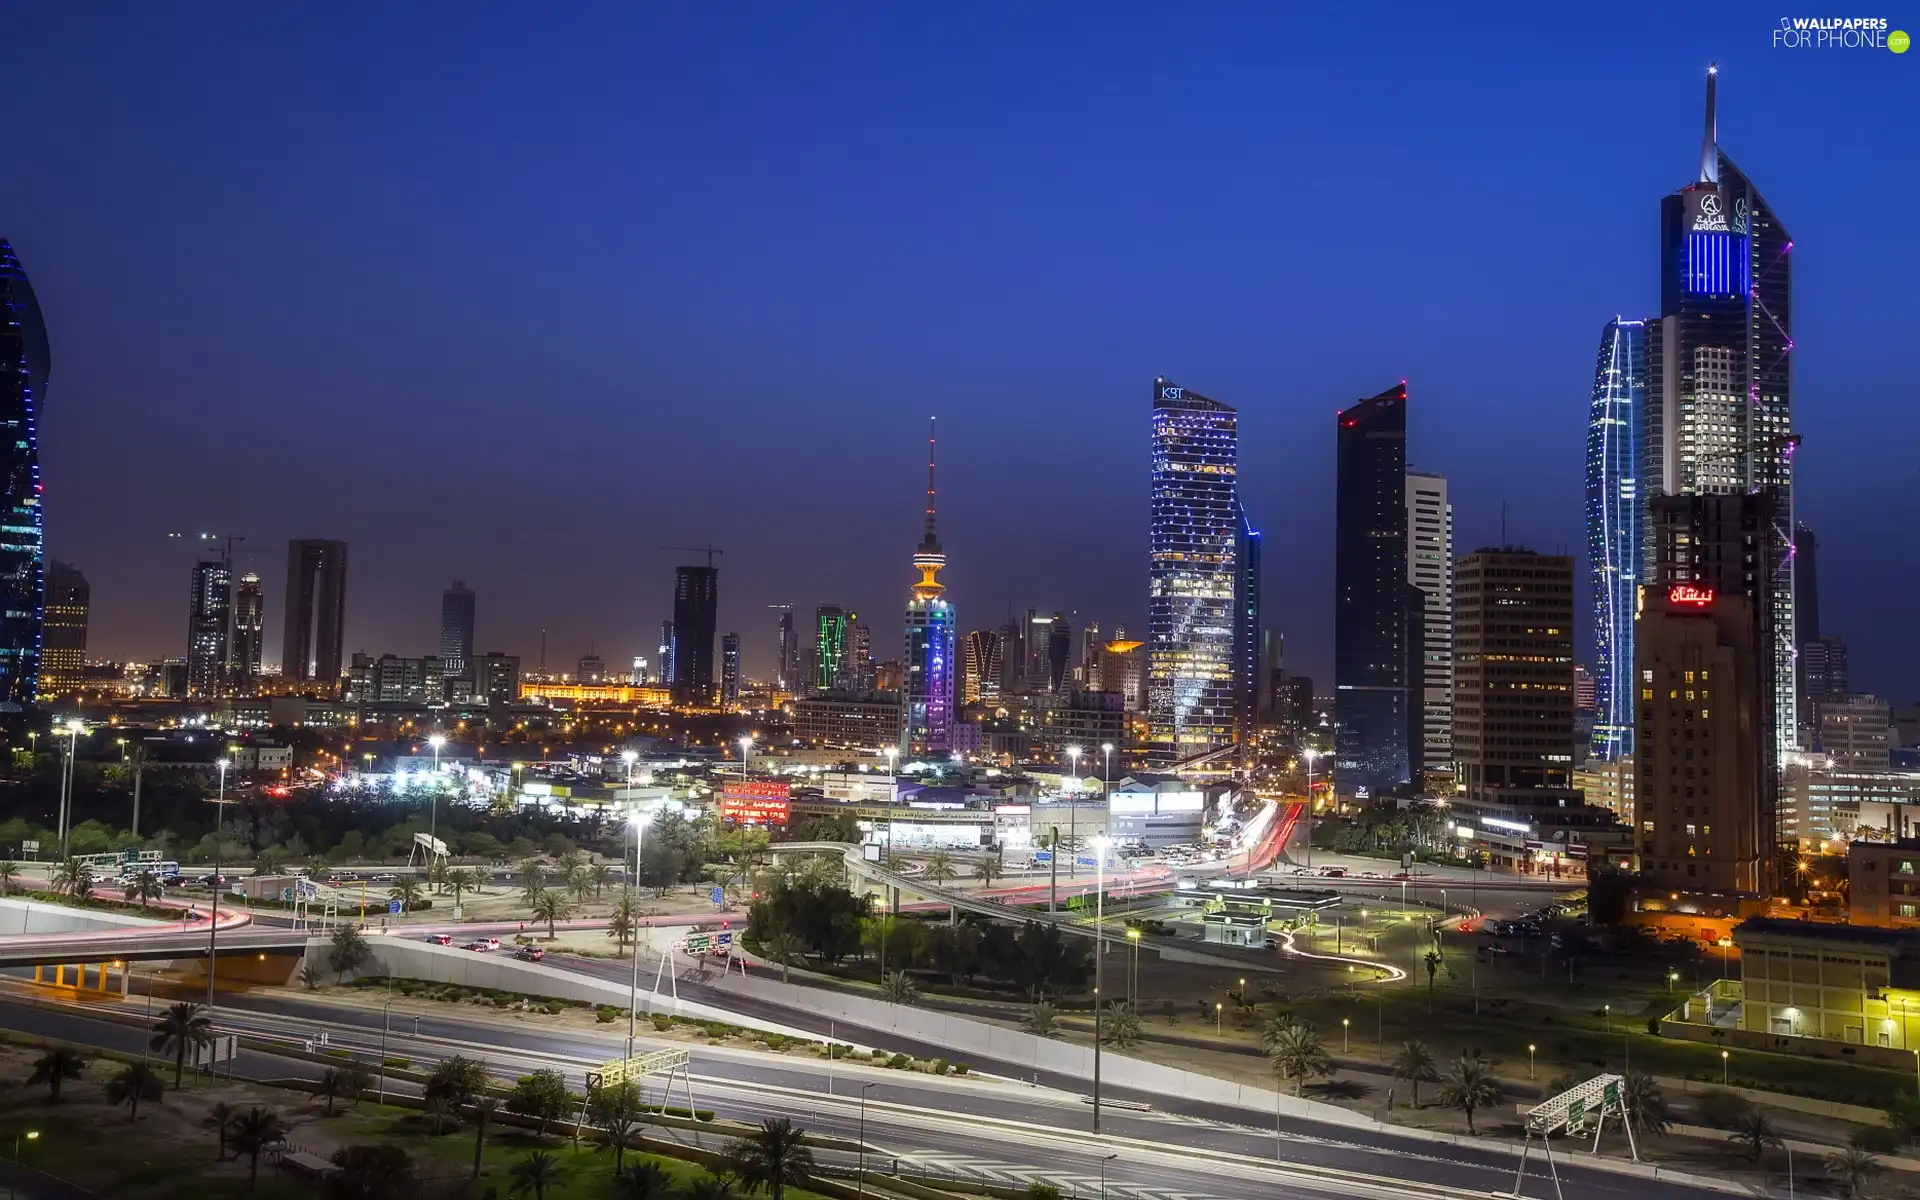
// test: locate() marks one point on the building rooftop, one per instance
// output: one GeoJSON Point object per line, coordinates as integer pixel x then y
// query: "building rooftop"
{"type": "Point", "coordinates": [1892, 939]}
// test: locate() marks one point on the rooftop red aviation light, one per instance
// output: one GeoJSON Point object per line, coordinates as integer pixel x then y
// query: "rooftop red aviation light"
{"type": "Point", "coordinates": [1687, 593]}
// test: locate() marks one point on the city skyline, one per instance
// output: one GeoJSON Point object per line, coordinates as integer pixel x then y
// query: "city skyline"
{"type": "Point", "coordinates": [1082, 382]}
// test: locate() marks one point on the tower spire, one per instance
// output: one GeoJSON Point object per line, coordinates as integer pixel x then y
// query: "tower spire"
{"type": "Point", "coordinates": [1710, 140]}
{"type": "Point", "coordinates": [931, 543]}
{"type": "Point", "coordinates": [929, 558]}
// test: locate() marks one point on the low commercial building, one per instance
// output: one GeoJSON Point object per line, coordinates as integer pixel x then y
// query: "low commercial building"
{"type": "Point", "coordinates": [1884, 883]}
{"type": "Point", "coordinates": [851, 719]}
{"type": "Point", "coordinates": [1837, 982]}
{"type": "Point", "coordinates": [1823, 803]}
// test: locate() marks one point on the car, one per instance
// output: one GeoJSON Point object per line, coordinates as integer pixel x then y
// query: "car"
{"type": "Point", "coordinates": [530, 953]}
{"type": "Point", "coordinates": [388, 877]}
{"type": "Point", "coordinates": [440, 939]}
{"type": "Point", "coordinates": [493, 943]}
{"type": "Point", "coordinates": [1334, 872]}
{"type": "Point", "coordinates": [1402, 876]}
{"type": "Point", "coordinates": [479, 945]}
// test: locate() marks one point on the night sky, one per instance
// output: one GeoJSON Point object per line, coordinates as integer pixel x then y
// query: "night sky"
{"type": "Point", "coordinates": [521, 296]}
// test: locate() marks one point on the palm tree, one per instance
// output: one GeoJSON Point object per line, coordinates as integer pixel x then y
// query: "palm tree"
{"type": "Point", "coordinates": [349, 952]}
{"type": "Point", "coordinates": [54, 1068]}
{"type": "Point", "coordinates": [74, 878]}
{"type": "Point", "coordinates": [535, 1173]}
{"type": "Point", "coordinates": [9, 871]}
{"type": "Point", "coordinates": [1469, 1085]}
{"type": "Point", "coordinates": [437, 874]}
{"type": "Point", "coordinates": [461, 1080]}
{"type": "Point", "coordinates": [462, 881]}
{"type": "Point", "coordinates": [1853, 1167]}
{"type": "Point", "coordinates": [939, 867]}
{"type": "Point", "coordinates": [616, 1109]}
{"type": "Point", "coordinates": [1414, 1063]}
{"type": "Point", "coordinates": [183, 1028]}
{"type": "Point", "coordinates": [1299, 1055]}
{"type": "Point", "coordinates": [1432, 962]}
{"type": "Point", "coordinates": [643, 1181]}
{"type": "Point", "coordinates": [711, 1187]}
{"type": "Point", "coordinates": [1042, 1018]}
{"type": "Point", "coordinates": [134, 1083]}
{"type": "Point", "coordinates": [785, 949]}
{"type": "Point", "coordinates": [776, 1158]}
{"type": "Point", "coordinates": [311, 976]}
{"type": "Point", "coordinates": [408, 892]}
{"type": "Point", "coordinates": [551, 907]}
{"type": "Point", "coordinates": [442, 1110]}
{"type": "Point", "coordinates": [1275, 1029]}
{"type": "Point", "coordinates": [988, 870]}
{"type": "Point", "coordinates": [898, 988]}
{"type": "Point", "coordinates": [253, 1131]}
{"type": "Point", "coordinates": [624, 923]}
{"type": "Point", "coordinates": [332, 1082]}
{"type": "Point", "coordinates": [220, 1119]}
{"type": "Point", "coordinates": [484, 1110]}
{"type": "Point", "coordinates": [602, 875]}
{"type": "Point", "coordinates": [1122, 1025]}
{"type": "Point", "coordinates": [580, 884]}
{"type": "Point", "coordinates": [535, 885]}
{"type": "Point", "coordinates": [1753, 1131]}
{"type": "Point", "coordinates": [144, 888]}
{"type": "Point", "coordinates": [1646, 1104]}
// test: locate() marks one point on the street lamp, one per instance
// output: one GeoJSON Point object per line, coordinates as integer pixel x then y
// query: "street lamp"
{"type": "Point", "coordinates": [73, 730]}
{"type": "Point", "coordinates": [1106, 769]}
{"type": "Point", "coordinates": [1099, 842]}
{"type": "Point", "coordinates": [1530, 1049]}
{"type": "Point", "coordinates": [639, 823]}
{"type": "Point", "coordinates": [1723, 1068]}
{"type": "Point", "coordinates": [863, 1136]}
{"type": "Point", "coordinates": [1606, 1015]}
{"type": "Point", "coordinates": [31, 1135]}
{"type": "Point", "coordinates": [746, 747]}
{"type": "Point", "coordinates": [1217, 1009]}
{"type": "Point", "coordinates": [1103, 1173]}
{"type": "Point", "coordinates": [1673, 977]}
{"type": "Point", "coordinates": [1344, 1022]}
{"type": "Point", "coordinates": [1073, 815]}
{"type": "Point", "coordinates": [1310, 755]}
{"type": "Point", "coordinates": [213, 922]}
{"type": "Point", "coordinates": [1133, 971]}
{"type": "Point", "coordinates": [433, 793]}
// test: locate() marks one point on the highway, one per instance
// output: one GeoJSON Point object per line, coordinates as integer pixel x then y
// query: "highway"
{"type": "Point", "coordinates": [983, 1129]}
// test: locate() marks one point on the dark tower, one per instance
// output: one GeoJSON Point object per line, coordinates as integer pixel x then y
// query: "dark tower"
{"type": "Point", "coordinates": [1371, 668]}
{"type": "Point", "coordinates": [249, 625]}
{"type": "Point", "coordinates": [696, 616]}
{"type": "Point", "coordinates": [316, 611]}
{"type": "Point", "coordinates": [456, 629]}
{"type": "Point", "coordinates": [209, 627]}
{"type": "Point", "coordinates": [25, 363]}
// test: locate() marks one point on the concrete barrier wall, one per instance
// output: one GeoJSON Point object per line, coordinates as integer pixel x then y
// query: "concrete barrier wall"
{"type": "Point", "coordinates": [21, 916]}
{"type": "Point", "coordinates": [1884, 1057]}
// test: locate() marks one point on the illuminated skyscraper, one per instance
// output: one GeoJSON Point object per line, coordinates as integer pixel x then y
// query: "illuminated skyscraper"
{"type": "Point", "coordinates": [209, 627]}
{"type": "Point", "coordinates": [63, 647]}
{"type": "Point", "coordinates": [249, 627]}
{"type": "Point", "coordinates": [316, 611]}
{"type": "Point", "coordinates": [926, 711]}
{"type": "Point", "coordinates": [696, 617]}
{"type": "Point", "coordinates": [980, 679]}
{"type": "Point", "coordinates": [786, 669]}
{"type": "Point", "coordinates": [730, 670]}
{"type": "Point", "coordinates": [1377, 613]}
{"type": "Point", "coordinates": [1198, 581]}
{"type": "Point", "coordinates": [1430, 568]}
{"type": "Point", "coordinates": [1616, 527]}
{"type": "Point", "coordinates": [830, 647]}
{"type": "Point", "coordinates": [25, 363]}
{"type": "Point", "coordinates": [1719, 413]}
{"type": "Point", "coordinates": [456, 629]}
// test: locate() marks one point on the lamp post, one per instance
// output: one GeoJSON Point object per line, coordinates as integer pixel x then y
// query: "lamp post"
{"type": "Point", "coordinates": [213, 921]}
{"type": "Point", "coordinates": [862, 1172]}
{"type": "Point", "coordinates": [1723, 1068]}
{"type": "Point", "coordinates": [31, 1135]}
{"type": "Point", "coordinates": [1673, 977]}
{"type": "Point", "coordinates": [1106, 769]}
{"type": "Point", "coordinates": [433, 793]}
{"type": "Point", "coordinates": [1073, 817]}
{"type": "Point", "coordinates": [746, 747]}
{"type": "Point", "coordinates": [1100, 843]}
{"type": "Point", "coordinates": [1133, 969]}
{"type": "Point", "coordinates": [1109, 1158]}
{"type": "Point", "coordinates": [633, 987]}
{"type": "Point", "coordinates": [1309, 755]}
{"type": "Point", "coordinates": [73, 730]}
{"type": "Point", "coordinates": [1218, 1008]}
{"type": "Point", "coordinates": [1530, 1049]}
{"type": "Point", "coordinates": [1606, 1015]}
{"type": "Point", "coordinates": [1344, 1022]}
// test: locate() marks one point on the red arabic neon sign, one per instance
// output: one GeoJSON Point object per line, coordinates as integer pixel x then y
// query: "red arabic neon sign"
{"type": "Point", "coordinates": [1687, 593]}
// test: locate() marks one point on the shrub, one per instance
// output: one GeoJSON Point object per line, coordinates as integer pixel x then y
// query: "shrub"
{"type": "Point", "coordinates": [1042, 1191]}
{"type": "Point", "coordinates": [1653, 1026]}
{"type": "Point", "coordinates": [703, 1114]}
{"type": "Point", "coordinates": [398, 1064]}
{"type": "Point", "coordinates": [661, 1022]}
{"type": "Point", "coordinates": [959, 1068]}
{"type": "Point", "coordinates": [939, 1066]}
{"type": "Point", "coordinates": [606, 1015]}
{"type": "Point", "coordinates": [900, 1062]}
{"type": "Point", "coordinates": [1720, 1109]}
{"type": "Point", "coordinates": [331, 1052]}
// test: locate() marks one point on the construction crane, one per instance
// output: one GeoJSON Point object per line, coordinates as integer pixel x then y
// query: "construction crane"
{"type": "Point", "coordinates": [709, 551]}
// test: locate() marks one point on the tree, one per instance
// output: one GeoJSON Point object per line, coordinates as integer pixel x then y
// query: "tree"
{"type": "Point", "coordinates": [254, 1131]}
{"type": "Point", "coordinates": [1298, 1054]}
{"type": "Point", "coordinates": [643, 1181]}
{"type": "Point", "coordinates": [348, 952]}
{"type": "Point", "coordinates": [1122, 1025]}
{"type": "Point", "coordinates": [776, 1158]}
{"type": "Point", "coordinates": [459, 1080]}
{"type": "Point", "coordinates": [534, 1174]}
{"type": "Point", "coordinates": [460, 881]}
{"type": "Point", "coordinates": [898, 988]}
{"type": "Point", "coordinates": [144, 888]}
{"type": "Point", "coordinates": [541, 1095]}
{"type": "Point", "coordinates": [54, 1068]}
{"type": "Point", "coordinates": [1753, 1131]}
{"type": "Point", "coordinates": [134, 1082]}
{"type": "Point", "coordinates": [9, 871]}
{"type": "Point", "coordinates": [220, 1119]}
{"type": "Point", "coordinates": [1414, 1063]}
{"type": "Point", "coordinates": [616, 1109]}
{"type": "Point", "coordinates": [1432, 962]}
{"type": "Point", "coordinates": [580, 884]}
{"type": "Point", "coordinates": [442, 1110]}
{"type": "Point", "coordinates": [624, 925]}
{"type": "Point", "coordinates": [484, 1110]}
{"type": "Point", "coordinates": [408, 892]}
{"type": "Point", "coordinates": [73, 878]}
{"type": "Point", "coordinates": [312, 977]}
{"type": "Point", "coordinates": [1469, 1086]}
{"type": "Point", "coordinates": [378, 1172]}
{"type": "Point", "coordinates": [1042, 1018]}
{"type": "Point", "coordinates": [1276, 1028]}
{"type": "Point", "coordinates": [534, 884]}
{"type": "Point", "coordinates": [551, 907]}
{"type": "Point", "coordinates": [939, 868]}
{"type": "Point", "coordinates": [1852, 1168]}
{"type": "Point", "coordinates": [602, 875]}
{"type": "Point", "coordinates": [332, 1083]}
{"type": "Point", "coordinates": [1608, 890]}
{"type": "Point", "coordinates": [988, 870]}
{"type": "Point", "coordinates": [1721, 1109]}
{"type": "Point", "coordinates": [1646, 1104]}
{"type": "Point", "coordinates": [711, 1187]}
{"type": "Point", "coordinates": [354, 1078]}
{"type": "Point", "coordinates": [183, 1028]}
{"type": "Point", "coordinates": [785, 949]}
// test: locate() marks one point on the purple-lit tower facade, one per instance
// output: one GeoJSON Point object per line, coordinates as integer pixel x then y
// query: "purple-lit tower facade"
{"type": "Point", "coordinates": [1719, 411]}
{"type": "Point", "coordinates": [927, 709]}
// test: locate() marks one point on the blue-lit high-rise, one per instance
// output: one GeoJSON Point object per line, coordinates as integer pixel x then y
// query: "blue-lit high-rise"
{"type": "Point", "coordinates": [25, 364]}
{"type": "Point", "coordinates": [1378, 615]}
{"type": "Point", "coordinates": [930, 663]}
{"type": "Point", "coordinates": [1615, 526]}
{"type": "Point", "coordinates": [1203, 593]}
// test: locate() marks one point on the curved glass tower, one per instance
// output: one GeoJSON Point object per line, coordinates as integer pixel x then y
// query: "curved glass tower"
{"type": "Point", "coordinates": [1615, 526]}
{"type": "Point", "coordinates": [25, 364]}
{"type": "Point", "coordinates": [927, 712]}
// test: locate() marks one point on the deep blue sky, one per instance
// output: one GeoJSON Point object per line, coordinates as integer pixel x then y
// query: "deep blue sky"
{"type": "Point", "coordinates": [520, 295]}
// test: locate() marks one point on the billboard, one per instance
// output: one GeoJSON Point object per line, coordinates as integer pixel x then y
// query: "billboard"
{"type": "Point", "coordinates": [756, 802]}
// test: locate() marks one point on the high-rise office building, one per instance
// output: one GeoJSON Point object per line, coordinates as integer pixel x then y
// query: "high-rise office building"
{"type": "Point", "coordinates": [830, 647]}
{"type": "Point", "coordinates": [926, 710]}
{"type": "Point", "coordinates": [316, 611]}
{"type": "Point", "coordinates": [1719, 412]}
{"type": "Point", "coordinates": [1089, 664]}
{"type": "Point", "coordinates": [496, 678]}
{"type": "Point", "coordinates": [1246, 629]}
{"type": "Point", "coordinates": [696, 620]}
{"type": "Point", "coordinates": [590, 669]}
{"type": "Point", "coordinates": [1271, 676]}
{"type": "Point", "coordinates": [1806, 583]}
{"type": "Point", "coordinates": [1377, 740]}
{"type": "Point", "coordinates": [1197, 543]}
{"type": "Point", "coordinates": [859, 668]}
{"type": "Point", "coordinates": [1823, 670]}
{"type": "Point", "coordinates": [1059, 642]}
{"type": "Point", "coordinates": [63, 644]}
{"type": "Point", "coordinates": [1513, 727]}
{"type": "Point", "coordinates": [249, 635]}
{"type": "Point", "coordinates": [1430, 568]}
{"type": "Point", "coordinates": [1855, 731]}
{"type": "Point", "coordinates": [980, 678]}
{"type": "Point", "coordinates": [1703, 752]}
{"type": "Point", "coordinates": [786, 662]}
{"type": "Point", "coordinates": [667, 644]}
{"type": "Point", "coordinates": [730, 670]}
{"type": "Point", "coordinates": [209, 627]}
{"type": "Point", "coordinates": [1013, 657]}
{"type": "Point", "coordinates": [1038, 639]}
{"type": "Point", "coordinates": [25, 364]}
{"type": "Point", "coordinates": [1586, 691]}
{"type": "Point", "coordinates": [456, 628]}
{"type": "Point", "coordinates": [1616, 526]}
{"type": "Point", "coordinates": [1123, 669]}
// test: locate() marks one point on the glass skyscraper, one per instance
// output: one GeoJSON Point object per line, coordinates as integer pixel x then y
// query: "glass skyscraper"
{"type": "Point", "coordinates": [1203, 596]}
{"type": "Point", "coordinates": [930, 662]}
{"type": "Point", "coordinates": [1377, 613]}
{"type": "Point", "coordinates": [25, 364]}
{"type": "Point", "coordinates": [1719, 413]}
{"type": "Point", "coordinates": [696, 618]}
{"type": "Point", "coordinates": [1616, 529]}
